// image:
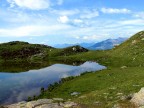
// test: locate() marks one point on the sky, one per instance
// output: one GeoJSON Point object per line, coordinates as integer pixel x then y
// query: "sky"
{"type": "Point", "coordinates": [69, 21]}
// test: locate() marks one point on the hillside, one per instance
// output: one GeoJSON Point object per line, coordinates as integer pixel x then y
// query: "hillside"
{"type": "Point", "coordinates": [131, 51]}
{"type": "Point", "coordinates": [21, 50]}
{"type": "Point", "coordinates": [67, 51]}
{"type": "Point", "coordinates": [24, 51]}
{"type": "Point", "coordinates": [110, 88]}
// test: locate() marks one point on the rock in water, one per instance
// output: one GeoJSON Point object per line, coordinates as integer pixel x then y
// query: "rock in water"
{"type": "Point", "coordinates": [138, 98]}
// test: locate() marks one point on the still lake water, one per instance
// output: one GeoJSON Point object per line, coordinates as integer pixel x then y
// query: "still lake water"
{"type": "Point", "coordinates": [15, 87]}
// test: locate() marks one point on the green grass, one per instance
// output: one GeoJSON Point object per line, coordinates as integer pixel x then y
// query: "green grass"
{"type": "Point", "coordinates": [106, 88]}
{"type": "Point", "coordinates": [18, 51]}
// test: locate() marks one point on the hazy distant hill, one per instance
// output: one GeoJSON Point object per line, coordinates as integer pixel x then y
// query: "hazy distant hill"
{"type": "Point", "coordinates": [107, 44]}
{"type": "Point", "coordinates": [103, 45]}
{"type": "Point", "coordinates": [85, 45]}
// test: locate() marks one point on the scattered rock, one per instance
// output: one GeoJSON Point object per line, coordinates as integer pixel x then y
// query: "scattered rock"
{"type": "Point", "coordinates": [75, 93]}
{"type": "Point", "coordinates": [119, 93]}
{"type": "Point", "coordinates": [81, 97]}
{"type": "Point", "coordinates": [116, 106]}
{"type": "Point", "coordinates": [138, 98]}
{"type": "Point", "coordinates": [136, 85]}
{"type": "Point", "coordinates": [126, 97]}
{"type": "Point", "coordinates": [33, 104]}
{"type": "Point", "coordinates": [43, 103]}
{"type": "Point", "coordinates": [97, 103]}
{"type": "Point", "coordinates": [123, 67]}
{"type": "Point", "coordinates": [142, 39]}
{"type": "Point", "coordinates": [123, 98]}
{"type": "Point", "coordinates": [112, 88]}
{"type": "Point", "coordinates": [18, 105]}
{"type": "Point", "coordinates": [106, 93]}
{"type": "Point", "coordinates": [69, 104]}
{"type": "Point", "coordinates": [134, 42]}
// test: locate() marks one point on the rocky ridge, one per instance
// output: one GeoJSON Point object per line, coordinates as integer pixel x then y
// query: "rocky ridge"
{"type": "Point", "coordinates": [44, 103]}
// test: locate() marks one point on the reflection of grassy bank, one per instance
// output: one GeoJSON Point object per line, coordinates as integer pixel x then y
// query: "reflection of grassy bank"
{"type": "Point", "coordinates": [23, 66]}
{"type": "Point", "coordinates": [50, 88]}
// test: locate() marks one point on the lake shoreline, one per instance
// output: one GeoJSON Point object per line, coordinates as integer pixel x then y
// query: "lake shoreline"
{"type": "Point", "coordinates": [43, 78]}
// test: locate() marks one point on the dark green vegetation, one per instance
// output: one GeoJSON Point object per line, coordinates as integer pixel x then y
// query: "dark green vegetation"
{"type": "Point", "coordinates": [67, 51]}
{"type": "Point", "coordinates": [21, 50]}
{"type": "Point", "coordinates": [19, 56]}
{"type": "Point", "coordinates": [106, 88]}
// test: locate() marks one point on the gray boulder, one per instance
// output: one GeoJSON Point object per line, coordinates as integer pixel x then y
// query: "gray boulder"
{"type": "Point", "coordinates": [138, 98]}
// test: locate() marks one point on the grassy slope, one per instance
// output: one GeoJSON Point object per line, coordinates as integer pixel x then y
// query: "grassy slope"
{"type": "Point", "coordinates": [107, 87]}
{"type": "Point", "coordinates": [21, 50]}
{"type": "Point", "coordinates": [130, 53]}
{"type": "Point", "coordinates": [66, 51]}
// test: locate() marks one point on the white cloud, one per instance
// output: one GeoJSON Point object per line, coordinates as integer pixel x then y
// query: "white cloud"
{"type": "Point", "coordinates": [30, 4]}
{"type": "Point", "coordinates": [132, 22]}
{"type": "Point", "coordinates": [79, 13]}
{"type": "Point", "coordinates": [33, 30]}
{"type": "Point", "coordinates": [89, 13]}
{"type": "Point", "coordinates": [65, 12]}
{"type": "Point", "coordinates": [93, 37]}
{"type": "Point", "coordinates": [115, 11]}
{"type": "Point", "coordinates": [63, 19]}
{"type": "Point", "coordinates": [139, 15]}
{"type": "Point", "coordinates": [78, 21]}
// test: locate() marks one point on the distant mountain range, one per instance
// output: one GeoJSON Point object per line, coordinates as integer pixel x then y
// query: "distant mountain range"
{"type": "Point", "coordinates": [103, 45]}
{"type": "Point", "coordinates": [85, 45]}
{"type": "Point", "coordinates": [107, 44]}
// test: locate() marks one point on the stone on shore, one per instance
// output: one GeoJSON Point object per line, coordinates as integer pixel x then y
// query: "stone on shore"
{"type": "Point", "coordinates": [44, 103]}
{"type": "Point", "coordinates": [138, 98]}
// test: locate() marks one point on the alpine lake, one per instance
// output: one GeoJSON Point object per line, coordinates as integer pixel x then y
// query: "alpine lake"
{"type": "Point", "coordinates": [19, 81]}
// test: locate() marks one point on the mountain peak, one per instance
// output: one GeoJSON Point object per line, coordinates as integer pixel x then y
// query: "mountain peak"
{"type": "Point", "coordinates": [107, 44]}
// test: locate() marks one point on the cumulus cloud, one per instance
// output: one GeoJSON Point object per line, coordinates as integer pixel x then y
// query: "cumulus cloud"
{"type": "Point", "coordinates": [30, 4]}
{"type": "Point", "coordinates": [115, 11]}
{"type": "Point", "coordinates": [63, 19]}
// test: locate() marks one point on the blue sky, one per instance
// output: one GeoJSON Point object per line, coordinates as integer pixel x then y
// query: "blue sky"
{"type": "Point", "coordinates": [69, 21]}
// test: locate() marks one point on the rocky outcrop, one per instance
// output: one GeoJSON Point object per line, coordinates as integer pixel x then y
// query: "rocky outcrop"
{"type": "Point", "coordinates": [44, 103]}
{"type": "Point", "coordinates": [138, 98]}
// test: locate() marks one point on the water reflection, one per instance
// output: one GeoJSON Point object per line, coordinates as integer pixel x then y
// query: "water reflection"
{"type": "Point", "coordinates": [24, 66]}
{"type": "Point", "coordinates": [15, 87]}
